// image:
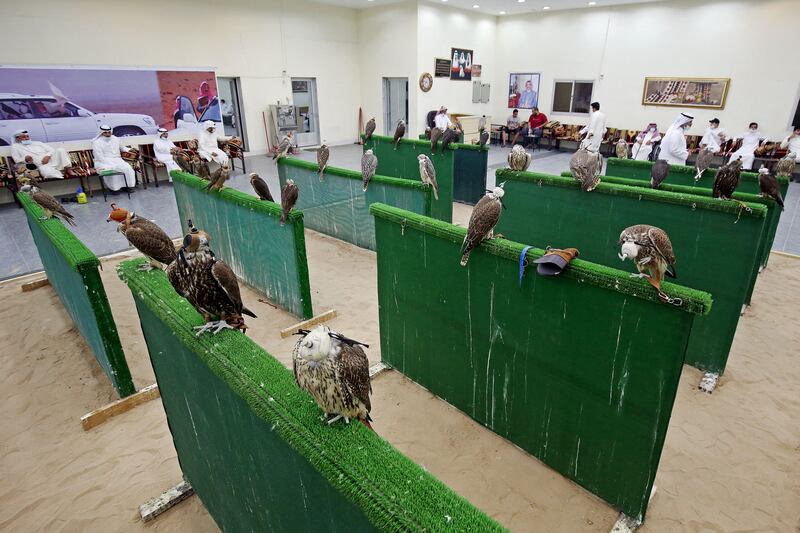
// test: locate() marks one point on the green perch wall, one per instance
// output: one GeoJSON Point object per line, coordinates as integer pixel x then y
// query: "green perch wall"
{"type": "Point", "coordinates": [469, 176]}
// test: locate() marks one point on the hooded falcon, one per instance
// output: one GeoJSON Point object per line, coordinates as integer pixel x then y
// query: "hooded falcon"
{"type": "Point", "coordinates": [369, 129]}
{"type": "Point", "coordinates": [585, 167]}
{"type": "Point", "coordinates": [727, 179]}
{"type": "Point", "coordinates": [518, 158]}
{"type": "Point", "coordinates": [145, 236]}
{"type": "Point", "coordinates": [621, 148]}
{"type": "Point", "coordinates": [483, 138]}
{"type": "Point", "coordinates": [284, 147]}
{"type": "Point", "coordinates": [427, 172]}
{"type": "Point", "coordinates": [650, 249]}
{"type": "Point", "coordinates": [658, 173]}
{"type": "Point", "coordinates": [208, 283]}
{"type": "Point", "coordinates": [484, 218]}
{"type": "Point", "coordinates": [769, 186]}
{"type": "Point", "coordinates": [288, 199]}
{"type": "Point", "coordinates": [703, 162]}
{"type": "Point", "coordinates": [218, 178]}
{"type": "Point", "coordinates": [449, 136]}
{"type": "Point", "coordinates": [51, 206]}
{"type": "Point", "coordinates": [436, 134]}
{"type": "Point", "coordinates": [369, 164]}
{"type": "Point", "coordinates": [785, 166]}
{"type": "Point", "coordinates": [399, 132]}
{"type": "Point", "coordinates": [334, 370]}
{"type": "Point", "coordinates": [323, 153]}
{"type": "Point", "coordinates": [260, 186]}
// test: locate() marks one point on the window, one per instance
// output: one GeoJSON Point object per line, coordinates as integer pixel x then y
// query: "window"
{"type": "Point", "coordinates": [572, 96]}
{"type": "Point", "coordinates": [52, 109]}
{"type": "Point", "coordinates": [15, 110]}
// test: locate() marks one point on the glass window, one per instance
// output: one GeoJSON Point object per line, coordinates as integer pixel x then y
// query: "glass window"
{"type": "Point", "coordinates": [562, 97]}
{"type": "Point", "coordinates": [572, 96]}
{"type": "Point", "coordinates": [582, 96]}
{"type": "Point", "coordinates": [16, 110]}
{"type": "Point", "coordinates": [53, 109]}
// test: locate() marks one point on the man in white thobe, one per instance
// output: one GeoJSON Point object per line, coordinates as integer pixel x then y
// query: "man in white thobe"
{"type": "Point", "coordinates": [162, 148]}
{"type": "Point", "coordinates": [643, 146]}
{"type": "Point", "coordinates": [441, 120]}
{"type": "Point", "coordinates": [49, 161]}
{"type": "Point", "coordinates": [792, 143]}
{"type": "Point", "coordinates": [106, 151]}
{"type": "Point", "coordinates": [673, 145]}
{"type": "Point", "coordinates": [207, 145]}
{"type": "Point", "coordinates": [714, 136]}
{"type": "Point", "coordinates": [751, 140]}
{"type": "Point", "coordinates": [595, 130]}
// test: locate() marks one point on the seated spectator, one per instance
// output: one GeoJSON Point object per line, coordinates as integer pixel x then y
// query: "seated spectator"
{"type": "Point", "coordinates": [511, 127]}
{"type": "Point", "coordinates": [536, 122]}
{"type": "Point", "coordinates": [47, 160]}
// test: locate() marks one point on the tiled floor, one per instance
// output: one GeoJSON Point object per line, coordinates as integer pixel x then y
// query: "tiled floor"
{"type": "Point", "coordinates": [19, 255]}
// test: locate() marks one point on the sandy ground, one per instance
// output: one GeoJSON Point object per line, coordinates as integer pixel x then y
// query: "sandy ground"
{"type": "Point", "coordinates": [731, 461]}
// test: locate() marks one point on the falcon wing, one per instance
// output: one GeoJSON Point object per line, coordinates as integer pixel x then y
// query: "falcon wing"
{"type": "Point", "coordinates": [226, 280]}
{"type": "Point", "coordinates": [262, 189]}
{"type": "Point", "coordinates": [47, 201]}
{"type": "Point", "coordinates": [289, 197]}
{"type": "Point", "coordinates": [483, 219]}
{"type": "Point", "coordinates": [322, 158]}
{"type": "Point", "coordinates": [151, 240]}
{"type": "Point", "coordinates": [785, 166]}
{"type": "Point", "coordinates": [369, 129]}
{"type": "Point", "coordinates": [662, 244]}
{"type": "Point", "coordinates": [354, 372]}
{"type": "Point", "coordinates": [430, 170]}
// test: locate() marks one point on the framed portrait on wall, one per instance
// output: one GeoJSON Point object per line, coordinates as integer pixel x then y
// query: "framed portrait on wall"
{"type": "Point", "coordinates": [461, 64]}
{"type": "Point", "coordinates": [476, 71]}
{"type": "Point", "coordinates": [708, 93]}
{"type": "Point", "coordinates": [523, 90]}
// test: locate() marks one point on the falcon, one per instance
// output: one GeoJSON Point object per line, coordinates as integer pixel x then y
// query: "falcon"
{"type": "Point", "coordinates": [427, 172]}
{"type": "Point", "coordinates": [369, 164]}
{"type": "Point", "coordinates": [260, 186]}
{"type": "Point", "coordinates": [436, 134]}
{"type": "Point", "coordinates": [288, 199]}
{"type": "Point", "coordinates": [621, 149]}
{"type": "Point", "coordinates": [427, 133]}
{"type": "Point", "coordinates": [201, 167]}
{"type": "Point", "coordinates": [785, 165]}
{"type": "Point", "coordinates": [369, 129]}
{"type": "Point", "coordinates": [145, 236]}
{"type": "Point", "coordinates": [769, 186]}
{"type": "Point", "coordinates": [284, 147]}
{"type": "Point", "coordinates": [218, 178]}
{"type": "Point", "coordinates": [184, 160]}
{"type": "Point", "coordinates": [208, 284]}
{"type": "Point", "coordinates": [323, 153]}
{"type": "Point", "coordinates": [334, 370]}
{"type": "Point", "coordinates": [518, 158]}
{"type": "Point", "coordinates": [483, 138]}
{"type": "Point", "coordinates": [51, 206]}
{"type": "Point", "coordinates": [703, 162]}
{"type": "Point", "coordinates": [650, 249]}
{"type": "Point", "coordinates": [233, 147]}
{"type": "Point", "coordinates": [484, 218]}
{"type": "Point", "coordinates": [727, 179]}
{"type": "Point", "coordinates": [399, 132]}
{"type": "Point", "coordinates": [449, 136]}
{"type": "Point", "coordinates": [585, 167]}
{"type": "Point", "coordinates": [658, 173]}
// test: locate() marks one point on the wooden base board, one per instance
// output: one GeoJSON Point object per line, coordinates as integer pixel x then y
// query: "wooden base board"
{"type": "Point", "coordinates": [168, 499]}
{"type": "Point", "coordinates": [98, 416]}
{"type": "Point", "coordinates": [377, 368]}
{"type": "Point", "coordinates": [313, 321]}
{"type": "Point", "coordinates": [32, 285]}
{"type": "Point", "coordinates": [626, 524]}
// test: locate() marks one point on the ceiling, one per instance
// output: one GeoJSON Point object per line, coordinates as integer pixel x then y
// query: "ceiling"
{"type": "Point", "coordinates": [495, 7]}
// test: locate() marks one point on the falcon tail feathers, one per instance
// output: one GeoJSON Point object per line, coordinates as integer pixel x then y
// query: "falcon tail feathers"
{"type": "Point", "coordinates": [246, 311]}
{"type": "Point", "coordinates": [465, 258]}
{"type": "Point", "coordinates": [367, 421]}
{"type": "Point", "coordinates": [670, 271]}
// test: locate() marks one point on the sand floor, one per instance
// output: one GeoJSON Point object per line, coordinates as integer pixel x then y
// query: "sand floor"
{"type": "Point", "coordinates": [731, 460]}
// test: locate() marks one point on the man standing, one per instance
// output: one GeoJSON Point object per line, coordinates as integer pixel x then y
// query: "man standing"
{"type": "Point", "coordinates": [529, 98]}
{"type": "Point", "coordinates": [751, 140]}
{"type": "Point", "coordinates": [673, 145]}
{"type": "Point", "coordinates": [207, 145]}
{"type": "Point", "coordinates": [714, 137]}
{"type": "Point", "coordinates": [48, 161]}
{"type": "Point", "coordinates": [106, 151]}
{"type": "Point", "coordinates": [595, 130]}
{"type": "Point", "coordinates": [163, 147]}
{"type": "Point", "coordinates": [511, 127]}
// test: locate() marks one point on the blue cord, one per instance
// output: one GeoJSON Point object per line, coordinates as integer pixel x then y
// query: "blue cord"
{"type": "Point", "coordinates": [522, 263]}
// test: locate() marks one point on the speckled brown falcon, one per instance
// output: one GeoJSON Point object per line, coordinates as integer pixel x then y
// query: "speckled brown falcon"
{"type": "Point", "coordinates": [218, 178]}
{"type": "Point", "coordinates": [334, 370]}
{"type": "Point", "coordinates": [482, 221]}
{"type": "Point", "coordinates": [369, 129]}
{"type": "Point", "coordinates": [208, 283]}
{"type": "Point", "coordinates": [427, 172]}
{"type": "Point", "coordinates": [145, 236]}
{"type": "Point", "coordinates": [450, 136]}
{"type": "Point", "coordinates": [51, 206]}
{"type": "Point", "coordinates": [585, 167]}
{"type": "Point", "coordinates": [260, 187]}
{"type": "Point", "coordinates": [703, 162]}
{"type": "Point", "coordinates": [184, 159]}
{"type": "Point", "coordinates": [289, 196]}
{"type": "Point", "coordinates": [727, 179]}
{"type": "Point", "coordinates": [658, 173]}
{"type": "Point", "coordinates": [399, 132]}
{"type": "Point", "coordinates": [650, 249]}
{"type": "Point", "coordinates": [284, 147]}
{"type": "Point", "coordinates": [518, 158]}
{"type": "Point", "coordinates": [323, 153]}
{"type": "Point", "coordinates": [785, 165]}
{"type": "Point", "coordinates": [201, 167]}
{"type": "Point", "coordinates": [769, 186]}
{"type": "Point", "coordinates": [483, 138]}
{"type": "Point", "coordinates": [621, 149]}
{"type": "Point", "coordinates": [436, 134]}
{"type": "Point", "coordinates": [369, 164]}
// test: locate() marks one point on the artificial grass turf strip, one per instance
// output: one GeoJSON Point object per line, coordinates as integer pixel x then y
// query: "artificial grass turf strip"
{"type": "Point", "coordinates": [394, 493]}
{"type": "Point", "coordinates": [686, 169]}
{"type": "Point", "coordinates": [352, 174]}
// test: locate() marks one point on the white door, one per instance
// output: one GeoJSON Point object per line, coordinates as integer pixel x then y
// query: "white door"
{"type": "Point", "coordinates": [304, 98]}
{"type": "Point", "coordinates": [395, 103]}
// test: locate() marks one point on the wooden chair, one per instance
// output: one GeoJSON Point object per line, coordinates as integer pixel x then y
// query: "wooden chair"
{"type": "Point", "coordinates": [149, 160]}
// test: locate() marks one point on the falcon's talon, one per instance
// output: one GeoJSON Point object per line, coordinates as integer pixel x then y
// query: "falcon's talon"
{"type": "Point", "coordinates": [145, 267]}
{"type": "Point", "coordinates": [334, 419]}
{"type": "Point", "coordinates": [213, 326]}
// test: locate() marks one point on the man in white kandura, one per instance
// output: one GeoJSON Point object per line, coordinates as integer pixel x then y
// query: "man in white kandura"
{"type": "Point", "coordinates": [163, 147]}
{"type": "Point", "coordinates": [673, 145]}
{"type": "Point", "coordinates": [49, 161]}
{"type": "Point", "coordinates": [106, 151]}
{"type": "Point", "coordinates": [714, 136]}
{"type": "Point", "coordinates": [441, 120]}
{"type": "Point", "coordinates": [792, 143]}
{"type": "Point", "coordinates": [207, 145]}
{"type": "Point", "coordinates": [595, 130]}
{"type": "Point", "coordinates": [751, 140]}
{"type": "Point", "coordinates": [643, 146]}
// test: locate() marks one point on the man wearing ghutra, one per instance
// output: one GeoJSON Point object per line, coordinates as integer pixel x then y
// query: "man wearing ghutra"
{"type": "Point", "coordinates": [643, 146]}
{"type": "Point", "coordinates": [673, 145]}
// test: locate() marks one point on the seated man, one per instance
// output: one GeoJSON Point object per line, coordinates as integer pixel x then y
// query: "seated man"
{"type": "Point", "coordinates": [511, 129]}
{"type": "Point", "coordinates": [207, 145]}
{"type": "Point", "coordinates": [107, 153]}
{"type": "Point", "coordinates": [163, 149]}
{"type": "Point", "coordinates": [47, 160]}
{"type": "Point", "coordinates": [535, 123]}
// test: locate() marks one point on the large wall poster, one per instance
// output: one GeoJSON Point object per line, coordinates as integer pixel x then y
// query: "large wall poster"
{"type": "Point", "coordinates": [67, 104]}
{"type": "Point", "coordinates": [523, 90]}
{"type": "Point", "coordinates": [686, 92]}
{"type": "Point", "coordinates": [461, 65]}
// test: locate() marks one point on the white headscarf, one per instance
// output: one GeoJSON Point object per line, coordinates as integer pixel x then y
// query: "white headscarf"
{"type": "Point", "coordinates": [103, 128]}
{"type": "Point", "coordinates": [681, 120]}
{"type": "Point", "coordinates": [209, 124]}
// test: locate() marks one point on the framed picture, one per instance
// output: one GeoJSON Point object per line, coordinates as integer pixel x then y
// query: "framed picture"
{"type": "Point", "coordinates": [523, 90]}
{"type": "Point", "coordinates": [441, 68]}
{"type": "Point", "coordinates": [299, 86]}
{"type": "Point", "coordinates": [476, 71]}
{"type": "Point", "coordinates": [686, 92]}
{"type": "Point", "coordinates": [461, 64]}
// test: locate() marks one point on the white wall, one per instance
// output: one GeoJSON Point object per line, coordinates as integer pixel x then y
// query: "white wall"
{"type": "Point", "coordinates": [752, 42]}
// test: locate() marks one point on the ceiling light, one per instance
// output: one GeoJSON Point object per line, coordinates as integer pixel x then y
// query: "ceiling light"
{"type": "Point", "coordinates": [475, 6]}
{"type": "Point", "coordinates": [502, 12]}
{"type": "Point", "coordinates": [592, 3]}
{"type": "Point", "coordinates": [521, 1]}
{"type": "Point", "coordinates": [546, 7]}
{"type": "Point", "coordinates": [444, 0]}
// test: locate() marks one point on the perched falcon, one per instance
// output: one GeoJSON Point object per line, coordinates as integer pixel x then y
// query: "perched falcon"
{"type": "Point", "coordinates": [208, 283]}
{"type": "Point", "coordinates": [428, 173]}
{"type": "Point", "coordinates": [52, 207]}
{"type": "Point", "coordinates": [436, 134]}
{"type": "Point", "coordinates": [218, 178]}
{"type": "Point", "coordinates": [650, 249]}
{"type": "Point", "coordinates": [484, 138]}
{"type": "Point", "coordinates": [427, 133]}
{"type": "Point", "coordinates": [145, 236]}
{"type": "Point", "coordinates": [727, 179]}
{"type": "Point", "coordinates": [201, 167]}
{"type": "Point", "coordinates": [621, 149]}
{"type": "Point", "coordinates": [369, 129]}
{"type": "Point", "coordinates": [658, 173]}
{"type": "Point", "coordinates": [369, 164]}
{"type": "Point", "coordinates": [288, 199]}
{"type": "Point", "coordinates": [323, 153]}
{"type": "Point", "coordinates": [449, 136]}
{"type": "Point", "coordinates": [785, 166]}
{"type": "Point", "coordinates": [484, 218]}
{"type": "Point", "coordinates": [518, 158]}
{"type": "Point", "coordinates": [233, 147]}
{"type": "Point", "coordinates": [260, 186]}
{"type": "Point", "coordinates": [399, 132]}
{"type": "Point", "coordinates": [184, 160]}
{"type": "Point", "coordinates": [703, 162]}
{"type": "Point", "coordinates": [769, 186]}
{"type": "Point", "coordinates": [284, 147]}
{"type": "Point", "coordinates": [585, 167]}
{"type": "Point", "coordinates": [334, 370]}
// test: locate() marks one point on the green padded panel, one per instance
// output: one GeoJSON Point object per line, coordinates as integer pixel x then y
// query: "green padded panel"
{"type": "Point", "coordinates": [714, 252]}
{"type": "Point", "coordinates": [403, 163]}
{"type": "Point", "coordinates": [580, 370]}
{"type": "Point", "coordinates": [469, 178]}
{"type": "Point", "coordinates": [72, 271]}
{"type": "Point", "coordinates": [247, 235]}
{"type": "Point", "coordinates": [338, 205]}
{"type": "Point", "coordinates": [256, 448]}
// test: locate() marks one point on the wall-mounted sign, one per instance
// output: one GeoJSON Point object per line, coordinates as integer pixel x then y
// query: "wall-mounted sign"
{"type": "Point", "coordinates": [476, 71]}
{"type": "Point", "coordinates": [441, 68]}
{"type": "Point", "coordinates": [461, 65]}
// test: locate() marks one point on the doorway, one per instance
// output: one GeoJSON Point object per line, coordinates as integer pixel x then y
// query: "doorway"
{"type": "Point", "coordinates": [304, 97]}
{"type": "Point", "coordinates": [395, 103]}
{"type": "Point", "coordinates": [230, 99]}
